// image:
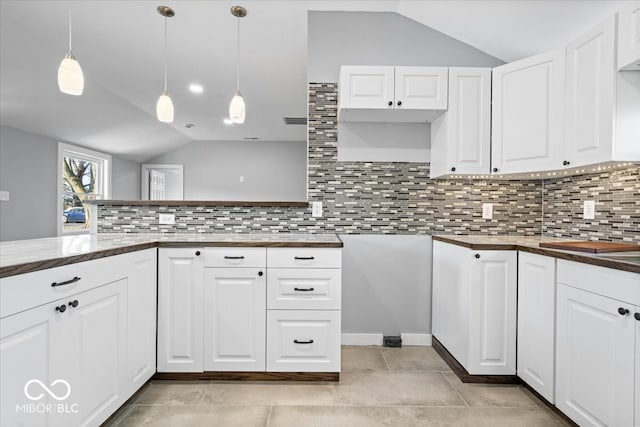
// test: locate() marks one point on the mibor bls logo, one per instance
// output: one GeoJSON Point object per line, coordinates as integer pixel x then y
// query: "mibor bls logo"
{"type": "Point", "coordinates": [35, 390]}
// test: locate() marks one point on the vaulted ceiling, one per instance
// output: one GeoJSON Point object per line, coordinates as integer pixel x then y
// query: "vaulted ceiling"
{"type": "Point", "coordinates": [120, 47]}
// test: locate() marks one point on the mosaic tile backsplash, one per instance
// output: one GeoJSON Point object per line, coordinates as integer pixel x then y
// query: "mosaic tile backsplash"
{"type": "Point", "coordinates": [399, 198]}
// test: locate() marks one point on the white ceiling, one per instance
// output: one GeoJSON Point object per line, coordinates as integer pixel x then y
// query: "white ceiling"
{"type": "Point", "coordinates": [119, 45]}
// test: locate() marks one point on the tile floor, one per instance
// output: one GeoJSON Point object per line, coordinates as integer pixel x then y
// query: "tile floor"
{"type": "Point", "coordinates": [409, 386]}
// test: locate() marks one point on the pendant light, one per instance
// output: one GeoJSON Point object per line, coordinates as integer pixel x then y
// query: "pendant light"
{"type": "Point", "coordinates": [70, 77]}
{"type": "Point", "coordinates": [237, 109]}
{"type": "Point", "coordinates": [164, 106]}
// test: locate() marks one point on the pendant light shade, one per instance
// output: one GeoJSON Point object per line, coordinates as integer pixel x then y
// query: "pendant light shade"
{"type": "Point", "coordinates": [70, 77]}
{"type": "Point", "coordinates": [237, 108]}
{"type": "Point", "coordinates": [164, 108]}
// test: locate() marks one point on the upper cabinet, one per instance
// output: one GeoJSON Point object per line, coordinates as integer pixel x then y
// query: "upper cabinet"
{"type": "Point", "coordinates": [527, 128]}
{"type": "Point", "coordinates": [629, 37]}
{"type": "Point", "coordinates": [392, 94]}
{"type": "Point", "coordinates": [460, 138]}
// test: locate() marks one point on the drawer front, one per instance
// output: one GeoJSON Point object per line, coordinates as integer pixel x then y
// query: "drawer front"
{"type": "Point", "coordinates": [235, 257]}
{"type": "Point", "coordinates": [303, 341]}
{"type": "Point", "coordinates": [304, 288]}
{"type": "Point", "coordinates": [609, 282]}
{"type": "Point", "coordinates": [304, 257]}
{"type": "Point", "coordinates": [25, 291]}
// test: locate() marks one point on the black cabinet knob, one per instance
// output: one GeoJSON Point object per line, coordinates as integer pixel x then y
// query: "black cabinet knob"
{"type": "Point", "coordinates": [477, 256]}
{"type": "Point", "coordinates": [62, 308]}
{"type": "Point", "coordinates": [453, 169]}
{"type": "Point", "coordinates": [637, 316]}
{"type": "Point", "coordinates": [495, 169]}
{"type": "Point", "coordinates": [73, 303]}
{"type": "Point", "coordinates": [566, 163]}
{"type": "Point", "coordinates": [622, 311]}
{"type": "Point", "coordinates": [390, 103]}
{"type": "Point", "coordinates": [197, 253]}
{"type": "Point", "coordinates": [399, 103]}
{"type": "Point", "coordinates": [260, 273]}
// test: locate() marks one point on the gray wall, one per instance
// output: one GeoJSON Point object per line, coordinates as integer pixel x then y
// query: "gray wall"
{"type": "Point", "coordinates": [28, 170]}
{"type": "Point", "coordinates": [381, 38]}
{"type": "Point", "coordinates": [273, 171]}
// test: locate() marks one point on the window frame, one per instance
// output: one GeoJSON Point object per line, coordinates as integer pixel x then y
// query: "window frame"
{"type": "Point", "coordinates": [104, 178]}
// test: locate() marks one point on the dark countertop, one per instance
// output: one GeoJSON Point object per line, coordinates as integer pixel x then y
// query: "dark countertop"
{"type": "Point", "coordinates": [25, 256]}
{"type": "Point", "coordinates": [626, 261]}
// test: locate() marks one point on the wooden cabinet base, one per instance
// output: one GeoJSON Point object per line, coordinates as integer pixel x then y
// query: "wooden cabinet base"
{"type": "Point", "coordinates": [464, 375]}
{"type": "Point", "coordinates": [248, 376]}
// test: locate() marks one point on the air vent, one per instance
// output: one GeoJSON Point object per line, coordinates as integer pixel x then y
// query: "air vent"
{"type": "Point", "coordinates": [189, 125]}
{"type": "Point", "coordinates": [295, 120]}
{"type": "Point", "coordinates": [251, 138]}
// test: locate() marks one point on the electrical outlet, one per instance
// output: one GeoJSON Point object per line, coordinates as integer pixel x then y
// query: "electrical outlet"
{"type": "Point", "coordinates": [241, 178]}
{"type": "Point", "coordinates": [168, 219]}
{"type": "Point", "coordinates": [4, 196]}
{"type": "Point", "coordinates": [487, 211]}
{"type": "Point", "coordinates": [589, 209]}
{"type": "Point", "coordinates": [316, 209]}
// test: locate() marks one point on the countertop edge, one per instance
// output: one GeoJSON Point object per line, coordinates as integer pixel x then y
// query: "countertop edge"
{"type": "Point", "coordinates": [29, 267]}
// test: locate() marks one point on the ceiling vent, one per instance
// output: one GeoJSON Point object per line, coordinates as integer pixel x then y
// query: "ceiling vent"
{"type": "Point", "coordinates": [295, 120]}
{"type": "Point", "coordinates": [251, 138]}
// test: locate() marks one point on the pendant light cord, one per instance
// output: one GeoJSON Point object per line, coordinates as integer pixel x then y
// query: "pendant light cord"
{"type": "Point", "coordinates": [238, 55]}
{"type": "Point", "coordinates": [165, 54]}
{"type": "Point", "coordinates": [69, 29]}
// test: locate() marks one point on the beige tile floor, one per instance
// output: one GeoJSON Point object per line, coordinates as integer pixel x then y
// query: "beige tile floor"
{"type": "Point", "coordinates": [410, 386]}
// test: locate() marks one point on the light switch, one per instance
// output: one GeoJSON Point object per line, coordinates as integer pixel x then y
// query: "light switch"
{"type": "Point", "coordinates": [241, 178]}
{"type": "Point", "coordinates": [589, 209]}
{"type": "Point", "coordinates": [168, 219]}
{"type": "Point", "coordinates": [316, 209]}
{"type": "Point", "coordinates": [4, 196]}
{"type": "Point", "coordinates": [487, 211]}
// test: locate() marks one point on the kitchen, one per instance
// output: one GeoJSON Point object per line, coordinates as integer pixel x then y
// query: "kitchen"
{"type": "Point", "coordinates": [371, 190]}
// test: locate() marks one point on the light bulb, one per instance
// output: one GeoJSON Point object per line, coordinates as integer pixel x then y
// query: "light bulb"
{"type": "Point", "coordinates": [164, 108]}
{"type": "Point", "coordinates": [70, 77]}
{"type": "Point", "coordinates": [237, 111]}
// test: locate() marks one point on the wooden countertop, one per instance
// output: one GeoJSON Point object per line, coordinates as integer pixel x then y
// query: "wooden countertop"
{"type": "Point", "coordinates": [25, 256]}
{"type": "Point", "coordinates": [627, 261]}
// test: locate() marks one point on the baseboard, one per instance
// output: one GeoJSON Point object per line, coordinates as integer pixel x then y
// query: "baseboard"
{"type": "Point", "coordinates": [361, 339]}
{"type": "Point", "coordinates": [376, 339]}
{"type": "Point", "coordinates": [416, 339]}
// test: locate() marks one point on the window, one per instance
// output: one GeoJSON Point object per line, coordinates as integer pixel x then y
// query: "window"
{"type": "Point", "coordinates": [83, 175]}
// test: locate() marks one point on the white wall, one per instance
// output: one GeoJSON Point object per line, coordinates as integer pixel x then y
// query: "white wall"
{"type": "Point", "coordinates": [272, 171]}
{"type": "Point", "coordinates": [125, 179]}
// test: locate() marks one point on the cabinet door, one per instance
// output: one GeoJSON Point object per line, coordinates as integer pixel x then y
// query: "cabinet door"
{"type": "Point", "coordinates": [594, 358]}
{"type": "Point", "coordinates": [591, 74]}
{"type": "Point", "coordinates": [492, 313]}
{"type": "Point", "coordinates": [180, 305]}
{"type": "Point", "coordinates": [421, 88]}
{"type": "Point", "coordinates": [235, 316]}
{"type": "Point", "coordinates": [366, 87]}
{"type": "Point", "coordinates": [26, 342]}
{"type": "Point", "coordinates": [636, 316]}
{"type": "Point", "coordinates": [629, 37]}
{"type": "Point", "coordinates": [536, 322]}
{"type": "Point", "coordinates": [96, 352]}
{"type": "Point", "coordinates": [527, 125]}
{"type": "Point", "coordinates": [141, 319]}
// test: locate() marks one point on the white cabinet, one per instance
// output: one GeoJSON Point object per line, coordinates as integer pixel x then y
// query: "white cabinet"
{"type": "Point", "coordinates": [629, 37]}
{"type": "Point", "coordinates": [234, 319]}
{"type": "Point", "coordinates": [474, 307]}
{"type": "Point", "coordinates": [91, 335]}
{"type": "Point", "coordinates": [528, 114]}
{"type": "Point", "coordinates": [393, 94]}
{"type": "Point", "coordinates": [596, 344]}
{"type": "Point", "coordinates": [460, 138]}
{"type": "Point", "coordinates": [180, 310]}
{"type": "Point", "coordinates": [536, 322]}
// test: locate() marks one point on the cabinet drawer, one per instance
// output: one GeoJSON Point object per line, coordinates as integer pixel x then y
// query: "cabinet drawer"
{"type": "Point", "coordinates": [24, 291]}
{"type": "Point", "coordinates": [304, 258]}
{"type": "Point", "coordinates": [612, 283]}
{"type": "Point", "coordinates": [304, 288]}
{"type": "Point", "coordinates": [303, 341]}
{"type": "Point", "coordinates": [235, 257]}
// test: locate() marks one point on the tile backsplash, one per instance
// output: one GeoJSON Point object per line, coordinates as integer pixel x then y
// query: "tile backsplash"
{"type": "Point", "coordinates": [399, 198]}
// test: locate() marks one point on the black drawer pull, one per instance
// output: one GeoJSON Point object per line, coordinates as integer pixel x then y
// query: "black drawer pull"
{"type": "Point", "coordinates": [233, 257]}
{"type": "Point", "coordinates": [61, 308]}
{"type": "Point", "coordinates": [303, 342]}
{"type": "Point", "coordinates": [68, 282]}
{"type": "Point", "coordinates": [73, 303]}
{"type": "Point", "coordinates": [304, 258]}
{"type": "Point", "coordinates": [303, 289]}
